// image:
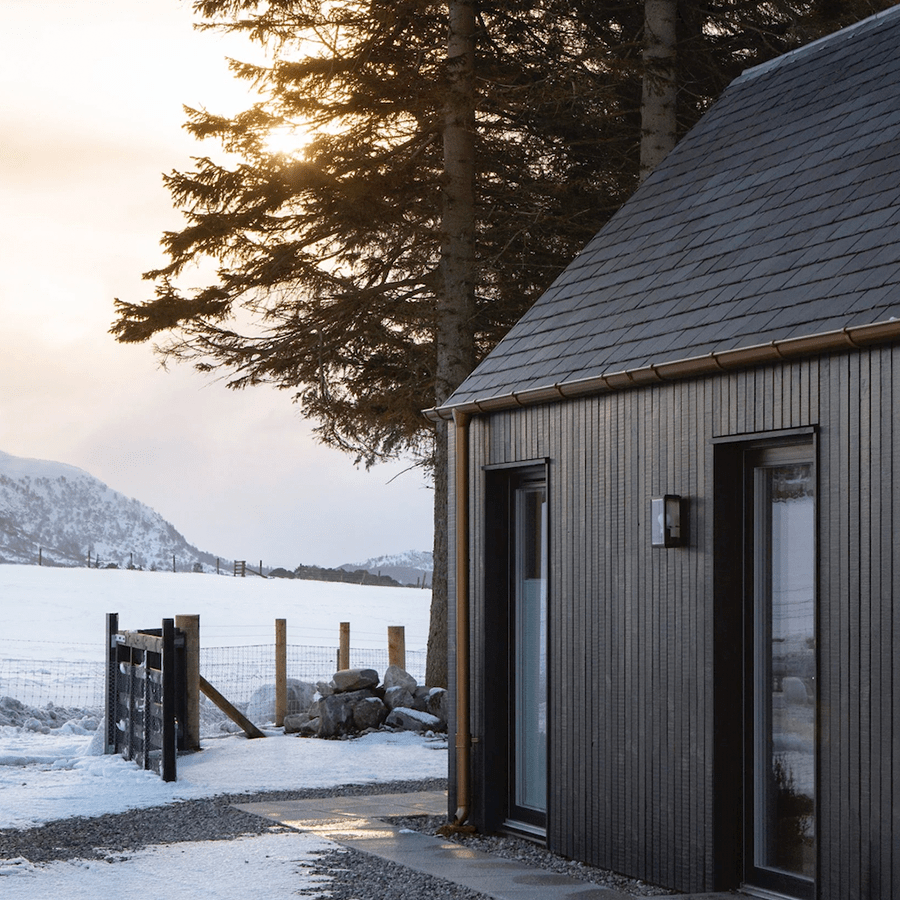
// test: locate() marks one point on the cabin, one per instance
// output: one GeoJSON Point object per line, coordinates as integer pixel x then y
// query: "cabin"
{"type": "Point", "coordinates": [675, 514]}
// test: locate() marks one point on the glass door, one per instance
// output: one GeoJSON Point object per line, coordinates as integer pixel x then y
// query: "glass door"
{"type": "Point", "coordinates": [528, 658]}
{"type": "Point", "coordinates": [781, 774]}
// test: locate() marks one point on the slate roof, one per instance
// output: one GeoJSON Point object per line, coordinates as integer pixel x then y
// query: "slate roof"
{"type": "Point", "coordinates": [778, 215]}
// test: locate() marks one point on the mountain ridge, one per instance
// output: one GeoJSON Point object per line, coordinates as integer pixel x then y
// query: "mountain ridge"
{"type": "Point", "coordinates": [412, 567]}
{"type": "Point", "coordinates": [58, 514]}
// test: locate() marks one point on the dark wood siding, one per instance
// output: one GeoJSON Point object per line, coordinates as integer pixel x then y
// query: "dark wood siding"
{"type": "Point", "coordinates": [633, 655]}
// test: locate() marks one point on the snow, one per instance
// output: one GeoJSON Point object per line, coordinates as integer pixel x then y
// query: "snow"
{"type": "Point", "coordinates": [60, 613]}
{"type": "Point", "coordinates": [220, 870]}
{"type": "Point", "coordinates": [48, 777]}
{"type": "Point", "coordinates": [46, 609]}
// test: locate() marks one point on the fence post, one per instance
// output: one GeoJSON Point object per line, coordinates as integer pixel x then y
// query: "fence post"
{"type": "Point", "coordinates": [344, 652]}
{"type": "Point", "coordinates": [112, 666]}
{"type": "Point", "coordinates": [280, 671]}
{"type": "Point", "coordinates": [190, 626]}
{"type": "Point", "coordinates": [167, 767]}
{"type": "Point", "coordinates": [397, 646]}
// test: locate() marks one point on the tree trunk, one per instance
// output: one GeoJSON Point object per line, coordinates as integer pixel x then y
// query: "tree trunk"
{"type": "Point", "coordinates": [658, 108]}
{"type": "Point", "coordinates": [455, 340]}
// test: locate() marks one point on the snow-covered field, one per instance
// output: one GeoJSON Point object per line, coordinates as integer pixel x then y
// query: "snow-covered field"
{"type": "Point", "coordinates": [60, 613]}
{"type": "Point", "coordinates": [48, 610]}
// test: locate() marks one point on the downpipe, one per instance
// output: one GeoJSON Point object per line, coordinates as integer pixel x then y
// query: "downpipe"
{"type": "Point", "coordinates": [463, 733]}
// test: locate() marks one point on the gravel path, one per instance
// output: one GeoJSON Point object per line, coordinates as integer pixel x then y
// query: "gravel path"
{"type": "Point", "coordinates": [353, 875]}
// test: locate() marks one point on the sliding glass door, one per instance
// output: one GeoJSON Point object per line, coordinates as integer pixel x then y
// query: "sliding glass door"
{"type": "Point", "coordinates": [528, 657]}
{"type": "Point", "coordinates": [781, 683]}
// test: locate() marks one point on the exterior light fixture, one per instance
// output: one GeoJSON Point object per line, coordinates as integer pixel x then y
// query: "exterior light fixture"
{"type": "Point", "coordinates": [665, 521]}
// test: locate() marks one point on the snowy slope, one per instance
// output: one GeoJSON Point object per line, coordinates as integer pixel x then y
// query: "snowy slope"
{"type": "Point", "coordinates": [66, 514]}
{"type": "Point", "coordinates": [410, 567]}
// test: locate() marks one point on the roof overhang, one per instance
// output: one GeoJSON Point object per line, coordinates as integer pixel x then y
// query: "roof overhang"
{"type": "Point", "coordinates": [850, 338]}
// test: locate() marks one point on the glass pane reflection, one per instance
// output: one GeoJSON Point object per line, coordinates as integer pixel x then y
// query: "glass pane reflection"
{"type": "Point", "coordinates": [531, 652]}
{"type": "Point", "coordinates": [785, 686]}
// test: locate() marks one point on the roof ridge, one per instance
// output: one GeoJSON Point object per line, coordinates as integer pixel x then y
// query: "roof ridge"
{"type": "Point", "coordinates": [791, 55]}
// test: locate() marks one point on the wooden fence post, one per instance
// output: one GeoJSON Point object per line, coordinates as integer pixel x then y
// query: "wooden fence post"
{"type": "Point", "coordinates": [190, 626]}
{"type": "Point", "coordinates": [344, 651]}
{"type": "Point", "coordinates": [280, 671]}
{"type": "Point", "coordinates": [397, 646]}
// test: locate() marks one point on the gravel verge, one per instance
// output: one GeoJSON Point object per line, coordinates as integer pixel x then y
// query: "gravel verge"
{"type": "Point", "coordinates": [213, 819]}
{"type": "Point", "coordinates": [352, 875]}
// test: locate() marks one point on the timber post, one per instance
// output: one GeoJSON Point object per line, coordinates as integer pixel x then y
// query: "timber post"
{"type": "Point", "coordinates": [344, 651]}
{"type": "Point", "coordinates": [397, 646]}
{"type": "Point", "coordinates": [190, 627]}
{"type": "Point", "coordinates": [280, 671]}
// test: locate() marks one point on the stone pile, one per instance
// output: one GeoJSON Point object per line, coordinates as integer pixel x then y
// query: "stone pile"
{"type": "Point", "coordinates": [354, 702]}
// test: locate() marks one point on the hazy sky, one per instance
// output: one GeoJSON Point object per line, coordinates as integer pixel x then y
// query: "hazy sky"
{"type": "Point", "coordinates": [91, 95]}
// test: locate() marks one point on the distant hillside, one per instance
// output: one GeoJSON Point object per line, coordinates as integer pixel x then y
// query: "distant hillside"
{"type": "Point", "coordinates": [412, 567]}
{"type": "Point", "coordinates": [66, 515]}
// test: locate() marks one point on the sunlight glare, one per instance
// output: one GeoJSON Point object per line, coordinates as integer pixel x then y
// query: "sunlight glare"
{"type": "Point", "coordinates": [289, 140]}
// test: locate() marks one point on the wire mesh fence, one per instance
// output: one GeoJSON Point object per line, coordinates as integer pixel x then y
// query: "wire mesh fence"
{"type": "Point", "coordinates": [236, 672]}
{"type": "Point", "coordinates": [60, 682]}
{"type": "Point", "coordinates": [239, 672]}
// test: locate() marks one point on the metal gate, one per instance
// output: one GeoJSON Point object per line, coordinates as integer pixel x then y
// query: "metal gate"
{"type": "Point", "coordinates": [146, 695]}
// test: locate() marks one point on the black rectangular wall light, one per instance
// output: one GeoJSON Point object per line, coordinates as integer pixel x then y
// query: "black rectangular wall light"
{"type": "Point", "coordinates": [665, 521]}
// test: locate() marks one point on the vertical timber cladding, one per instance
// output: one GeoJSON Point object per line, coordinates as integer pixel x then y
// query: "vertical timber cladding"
{"type": "Point", "coordinates": [632, 733]}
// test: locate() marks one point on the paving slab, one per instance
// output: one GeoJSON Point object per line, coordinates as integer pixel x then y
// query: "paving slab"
{"type": "Point", "coordinates": [358, 822]}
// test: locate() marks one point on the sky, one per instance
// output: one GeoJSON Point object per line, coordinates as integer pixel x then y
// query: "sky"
{"type": "Point", "coordinates": [91, 96]}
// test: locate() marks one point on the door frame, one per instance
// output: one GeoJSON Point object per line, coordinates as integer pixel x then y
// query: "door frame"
{"type": "Point", "coordinates": [757, 538]}
{"type": "Point", "coordinates": [494, 770]}
{"type": "Point", "coordinates": [730, 640]}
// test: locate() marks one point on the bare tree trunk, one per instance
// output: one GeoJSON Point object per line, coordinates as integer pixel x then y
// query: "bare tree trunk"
{"type": "Point", "coordinates": [658, 107]}
{"type": "Point", "coordinates": [456, 305]}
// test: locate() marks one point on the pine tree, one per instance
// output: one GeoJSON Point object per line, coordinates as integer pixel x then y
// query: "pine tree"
{"type": "Point", "coordinates": [360, 273]}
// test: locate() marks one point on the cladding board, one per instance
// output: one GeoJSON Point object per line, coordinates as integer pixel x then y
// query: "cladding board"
{"type": "Point", "coordinates": [632, 732]}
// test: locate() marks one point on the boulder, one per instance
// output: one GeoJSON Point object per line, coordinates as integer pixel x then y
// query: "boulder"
{"type": "Point", "coordinates": [354, 680]}
{"type": "Point", "coordinates": [412, 720]}
{"type": "Point", "coordinates": [437, 703]}
{"type": "Point", "coordinates": [397, 696]}
{"type": "Point", "coordinates": [420, 698]}
{"type": "Point", "coordinates": [336, 716]}
{"type": "Point", "coordinates": [394, 676]}
{"type": "Point", "coordinates": [294, 723]}
{"type": "Point", "coordinates": [369, 712]}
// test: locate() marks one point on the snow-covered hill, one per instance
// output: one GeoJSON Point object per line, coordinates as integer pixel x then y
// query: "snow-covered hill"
{"type": "Point", "coordinates": [411, 567]}
{"type": "Point", "coordinates": [66, 515]}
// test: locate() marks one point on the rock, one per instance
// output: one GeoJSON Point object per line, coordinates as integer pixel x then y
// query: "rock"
{"type": "Point", "coordinates": [292, 722]}
{"type": "Point", "coordinates": [310, 728]}
{"type": "Point", "coordinates": [394, 676]}
{"type": "Point", "coordinates": [325, 688]}
{"type": "Point", "coordinates": [354, 679]}
{"type": "Point", "coordinates": [437, 704]}
{"type": "Point", "coordinates": [397, 696]}
{"type": "Point", "coordinates": [420, 699]}
{"type": "Point", "coordinates": [336, 716]}
{"type": "Point", "coordinates": [369, 714]}
{"type": "Point", "coordinates": [412, 720]}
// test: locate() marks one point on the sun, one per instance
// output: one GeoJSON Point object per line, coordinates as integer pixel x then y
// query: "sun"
{"type": "Point", "coordinates": [288, 140]}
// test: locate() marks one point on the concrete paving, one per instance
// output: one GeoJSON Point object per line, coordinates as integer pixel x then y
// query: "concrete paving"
{"type": "Point", "coordinates": [357, 822]}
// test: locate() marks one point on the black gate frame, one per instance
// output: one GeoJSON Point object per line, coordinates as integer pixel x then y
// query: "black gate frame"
{"type": "Point", "coordinates": [146, 695]}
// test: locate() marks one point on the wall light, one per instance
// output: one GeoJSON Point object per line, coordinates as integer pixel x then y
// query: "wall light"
{"type": "Point", "coordinates": [665, 521]}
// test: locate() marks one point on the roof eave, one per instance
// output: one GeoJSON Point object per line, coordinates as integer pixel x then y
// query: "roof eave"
{"type": "Point", "coordinates": [849, 338]}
